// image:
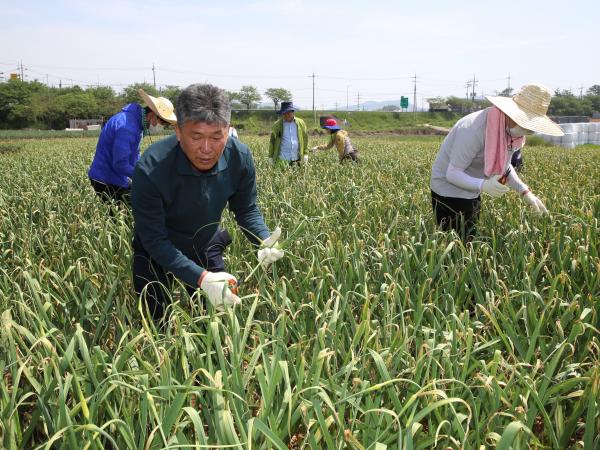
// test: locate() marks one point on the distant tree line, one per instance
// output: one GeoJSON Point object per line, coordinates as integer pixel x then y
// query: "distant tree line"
{"type": "Point", "coordinates": [31, 104]}
{"type": "Point", "coordinates": [564, 102]}
{"type": "Point", "coordinates": [34, 105]}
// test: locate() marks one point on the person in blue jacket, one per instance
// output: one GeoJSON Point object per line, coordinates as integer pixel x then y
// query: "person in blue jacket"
{"type": "Point", "coordinates": [118, 147]}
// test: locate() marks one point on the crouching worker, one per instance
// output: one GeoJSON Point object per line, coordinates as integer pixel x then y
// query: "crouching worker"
{"type": "Point", "coordinates": [339, 137]}
{"type": "Point", "coordinates": [180, 188]}
{"type": "Point", "coordinates": [476, 157]}
{"type": "Point", "coordinates": [118, 147]}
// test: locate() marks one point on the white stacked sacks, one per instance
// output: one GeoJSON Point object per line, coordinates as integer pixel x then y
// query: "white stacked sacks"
{"type": "Point", "coordinates": [575, 134]}
{"type": "Point", "coordinates": [594, 133]}
{"type": "Point", "coordinates": [569, 140]}
{"type": "Point", "coordinates": [584, 134]}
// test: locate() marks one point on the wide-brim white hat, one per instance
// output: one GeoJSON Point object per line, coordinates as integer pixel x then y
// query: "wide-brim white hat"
{"type": "Point", "coordinates": [528, 108]}
{"type": "Point", "coordinates": [161, 106]}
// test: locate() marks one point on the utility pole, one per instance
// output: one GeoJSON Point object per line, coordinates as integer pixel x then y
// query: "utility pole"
{"type": "Point", "coordinates": [581, 92]}
{"type": "Point", "coordinates": [508, 88]}
{"type": "Point", "coordinates": [358, 101]}
{"type": "Point", "coordinates": [474, 83]}
{"type": "Point", "coordinates": [154, 75]}
{"type": "Point", "coordinates": [313, 106]}
{"type": "Point", "coordinates": [468, 86]}
{"type": "Point", "coordinates": [415, 95]}
{"type": "Point", "coordinates": [347, 87]}
{"type": "Point", "coordinates": [22, 75]}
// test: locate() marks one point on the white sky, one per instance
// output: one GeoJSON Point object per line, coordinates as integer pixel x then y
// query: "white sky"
{"type": "Point", "coordinates": [369, 47]}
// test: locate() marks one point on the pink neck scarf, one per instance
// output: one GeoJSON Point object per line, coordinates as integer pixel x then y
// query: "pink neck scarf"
{"type": "Point", "coordinates": [497, 140]}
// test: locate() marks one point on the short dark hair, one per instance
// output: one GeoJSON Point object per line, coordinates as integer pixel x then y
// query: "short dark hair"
{"type": "Point", "coordinates": [203, 103]}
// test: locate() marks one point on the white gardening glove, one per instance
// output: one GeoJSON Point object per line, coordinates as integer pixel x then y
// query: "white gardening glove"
{"type": "Point", "coordinates": [535, 203]}
{"type": "Point", "coordinates": [493, 187]}
{"type": "Point", "coordinates": [270, 161]}
{"type": "Point", "coordinates": [216, 286]}
{"type": "Point", "coordinates": [269, 252]}
{"type": "Point", "coordinates": [305, 159]}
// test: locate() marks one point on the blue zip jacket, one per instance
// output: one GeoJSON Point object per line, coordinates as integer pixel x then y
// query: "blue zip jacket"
{"type": "Point", "coordinates": [118, 147]}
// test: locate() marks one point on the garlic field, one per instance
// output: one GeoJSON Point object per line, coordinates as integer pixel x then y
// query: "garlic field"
{"type": "Point", "coordinates": [375, 331]}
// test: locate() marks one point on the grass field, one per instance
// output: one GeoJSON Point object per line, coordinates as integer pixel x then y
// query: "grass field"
{"type": "Point", "coordinates": [374, 332]}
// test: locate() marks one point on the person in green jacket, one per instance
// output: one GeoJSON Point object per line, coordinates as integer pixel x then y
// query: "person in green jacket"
{"type": "Point", "coordinates": [289, 137]}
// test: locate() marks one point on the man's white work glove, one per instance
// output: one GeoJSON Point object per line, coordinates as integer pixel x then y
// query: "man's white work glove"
{"type": "Point", "coordinates": [535, 203]}
{"type": "Point", "coordinates": [305, 159]}
{"type": "Point", "coordinates": [216, 286]}
{"type": "Point", "coordinates": [270, 161]}
{"type": "Point", "coordinates": [493, 187]}
{"type": "Point", "coordinates": [269, 252]}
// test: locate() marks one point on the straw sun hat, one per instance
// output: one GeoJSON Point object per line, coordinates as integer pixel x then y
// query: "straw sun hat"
{"type": "Point", "coordinates": [528, 109]}
{"type": "Point", "coordinates": [161, 106]}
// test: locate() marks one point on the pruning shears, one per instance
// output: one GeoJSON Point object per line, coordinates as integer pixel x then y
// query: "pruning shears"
{"type": "Point", "coordinates": [503, 178]}
{"type": "Point", "coordinates": [235, 285]}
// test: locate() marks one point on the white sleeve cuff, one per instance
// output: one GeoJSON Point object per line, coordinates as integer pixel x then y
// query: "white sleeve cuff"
{"type": "Point", "coordinates": [459, 178]}
{"type": "Point", "coordinates": [514, 182]}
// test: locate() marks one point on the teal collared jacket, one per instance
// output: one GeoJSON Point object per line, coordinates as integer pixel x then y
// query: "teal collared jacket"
{"type": "Point", "coordinates": [177, 208]}
{"type": "Point", "coordinates": [277, 132]}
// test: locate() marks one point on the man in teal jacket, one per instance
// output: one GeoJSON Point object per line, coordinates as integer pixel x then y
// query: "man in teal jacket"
{"type": "Point", "coordinates": [180, 188]}
{"type": "Point", "coordinates": [289, 137]}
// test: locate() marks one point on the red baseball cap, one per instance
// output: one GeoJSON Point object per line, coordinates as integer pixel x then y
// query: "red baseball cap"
{"type": "Point", "coordinates": [331, 124]}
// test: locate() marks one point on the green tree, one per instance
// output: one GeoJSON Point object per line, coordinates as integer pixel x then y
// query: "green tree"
{"type": "Point", "coordinates": [593, 97]}
{"type": "Point", "coordinates": [249, 95]}
{"type": "Point", "coordinates": [506, 92]}
{"type": "Point", "coordinates": [131, 95]}
{"type": "Point", "coordinates": [459, 104]}
{"type": "Point", "coordinates": [15, 96]}
{"type": "Point", "coordinates": [594, 90]}
{"type": "Point", "coordinates": [278, 95]}
{"type": "Point", "coordinates": [107, 101]}
{"type": "Point", "coordinates": [564, 103]}
{"type": "Point", "coordinates": [234, 99]}
{"type": "Point", "coordinates": [171, 92]}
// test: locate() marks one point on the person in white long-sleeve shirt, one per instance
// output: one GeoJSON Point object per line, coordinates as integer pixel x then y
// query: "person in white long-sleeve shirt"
{"type": "Point", "coordinates": [476, 155]}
